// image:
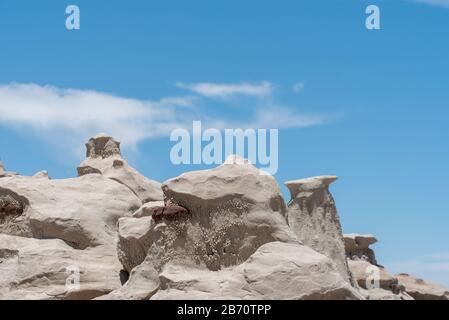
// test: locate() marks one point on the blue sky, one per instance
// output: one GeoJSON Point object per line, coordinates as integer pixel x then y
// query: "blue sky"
{"type": "Point", "coordinates": [368, 106]}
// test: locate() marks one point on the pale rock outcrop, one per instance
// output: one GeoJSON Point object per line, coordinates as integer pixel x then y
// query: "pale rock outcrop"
{"type": "Point", "coordinates": [41, 175]}
{"type": "Point", "coordinates": [4, 173]}
{"type": "Point", "coordinates": [275, 271]}
{"type": "Point", "coordinates": [368, 276]}
{"type": "Point", "coordinates": [41, 269]}
{"type": "Point", "coordinates": [103, 156]}
{"type": "Point", "coordinates": [357, 247]}
{"type": "Point", "coordinates": [382, 294]}
{"type": "Point", "coordinates": [143, 283]}
{"type": "Point", "coordinates": [233, 210]}
{"type": "Point", "coordinates": [422, 290]}
{"type": "Point", "coordinates": [135, 236]}
{"type": "Point", "coordinates": [81, 211]}
{"type": "Point", "coordinates": [313, 217]}
{"type": "Point", "coordinates": [148, 209]}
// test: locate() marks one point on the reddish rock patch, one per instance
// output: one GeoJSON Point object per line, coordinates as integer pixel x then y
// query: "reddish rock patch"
{"type": "Point", "coordinates": [171, 212]}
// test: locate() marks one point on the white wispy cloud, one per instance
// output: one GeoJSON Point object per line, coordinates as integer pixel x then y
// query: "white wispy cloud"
{"type": "Point", "coordinates": [77, 114]}
{"type": "Point", "coordinates": [68, 116]}
{"type": "Point", "coordinates": [439, 3]}
{"type": "Point", "coordinates": [224, 91]}
{"type": "Point", "coordinates": [297, 87]}
{"type": "Point", "coordinates": [433, 267]}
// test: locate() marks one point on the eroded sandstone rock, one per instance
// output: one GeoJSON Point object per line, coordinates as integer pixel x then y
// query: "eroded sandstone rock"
{"type": "Point", "coordinates": [422, 290]}
{"type": "Point", "coordinates": [357, 247]}
{"type": "Point", "coordinates": [39, 269]}
{"type": "Point", "coordinates": [275, 271]}
{"type": "Point", "coordinates": [368, 276]}
{"type": "Point", "coordinates": [233, 210]}
{"type": "Point", "coordinates": [103, 157]}
{"type": "Point", "coordinates": [81, 211]}
{"type": "Point", "coordinates": [313, 217]}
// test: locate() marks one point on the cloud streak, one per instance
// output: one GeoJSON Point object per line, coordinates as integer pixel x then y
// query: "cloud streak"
{"type": "Point", "coordinates": [68, 116]}
{"type": "Point", "coordinates": [438, 3]}
{"type": "Point", "coordinates": [225, 91]}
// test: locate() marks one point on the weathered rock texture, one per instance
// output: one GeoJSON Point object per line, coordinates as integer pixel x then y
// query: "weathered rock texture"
{"type": "Point", "coordinates": [357, 247]}
{"type": "Point", "coordinates": [39, 269]}
{"type": "Point", "coordinates": [103, 156]}
{"type": "Point", "coordinates": [223, 233]}
{"type": "Point", "coordinates": [233, 210]}
{"type": "Point", "coordinates": [422, 290]}
{"type": "Point", "coordinates": [81, 211]}
{"type": "Point", "coordinates": [313, 217]}
{"type": "Point", "coordinates": [275, 271]}
{"type": "Point", "coordinates": [367, 274]}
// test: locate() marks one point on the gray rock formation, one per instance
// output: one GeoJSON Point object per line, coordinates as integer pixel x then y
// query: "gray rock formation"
{"type": "Point", "coordinates": [73, 210]}
{"type": "Point", "coordinates": [313, 217]}
{"type": "Point", "coordinates": [39, 269]}
{"type": "Point", "coordinates": [367, 274]}
{"type": "Point", "coordinates": [422, 290]}
{"type": "Point", "coordinates": [234, 209]}
{"type": "Point", "coordinates": [357, 247]}
{"type": "Point", "coordinates": [223, 233]}
{"type": "Point", "coordinates": [104, 157]}
{"type": "Point", "coordinates": [275, 271]}
{"type": "Point", "coordinates": [135, 237]}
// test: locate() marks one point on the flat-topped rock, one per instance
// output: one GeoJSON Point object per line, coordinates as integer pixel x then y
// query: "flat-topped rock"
{"type": "Point", "coordinates": [309, 184]}
{"type": "Point", "coordinates": [357, 247]}
{"type": "Point", "coordinates": [313, 217]}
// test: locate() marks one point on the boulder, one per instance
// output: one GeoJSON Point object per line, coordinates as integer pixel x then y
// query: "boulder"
{"type": "Point", "coordinates": [103, 156]}
{"type": "Point", "coordinates": [422, 290]}
{"type": "Point", "coordinates": [81, 211]}
{"type": "Point", "coordinates": [357, 247]}
{"type": "Point", "coordinates": [135, 236]}
{"type": "Point", "coordinates": [232, 210]}
{"type": "Point", "coordinates": [47, 269]}
{"type": "Point", "coordinates": [275, 271]}
{"type": "Point", "coordinates": [313, 217]}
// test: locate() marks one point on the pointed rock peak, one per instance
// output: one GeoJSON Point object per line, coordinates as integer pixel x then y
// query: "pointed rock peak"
{"type": "Point", "coordinates": [309, 184]}
{"type": "Point", "coordinates": [102, 145]}
{"type": "Point", "coordinates": [2, 168]}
